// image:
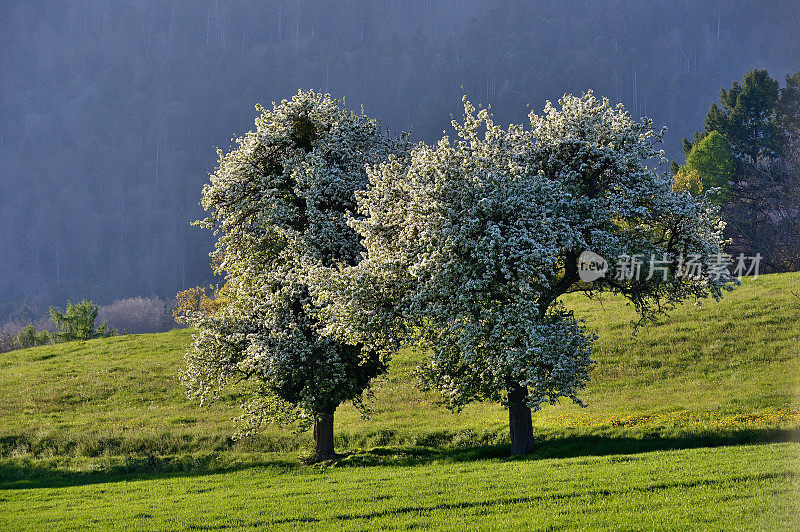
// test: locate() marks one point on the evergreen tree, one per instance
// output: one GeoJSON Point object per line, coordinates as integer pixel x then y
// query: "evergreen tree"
{"type": "Point", "coordinates": [789, 113]}
{"type": "Point", "coordinates": [747, 117]}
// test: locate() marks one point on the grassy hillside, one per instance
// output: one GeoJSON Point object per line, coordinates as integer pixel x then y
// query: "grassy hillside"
{"type": "Point", "coordinates": [691, 422]}
{"type": "Point", "coordinates": [724, 370]}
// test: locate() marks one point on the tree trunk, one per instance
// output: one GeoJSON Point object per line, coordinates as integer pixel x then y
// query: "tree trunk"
{"type": "Point", "coordinates": [519, 420]}
{"type": "Point", "coordinates": [323, 438]}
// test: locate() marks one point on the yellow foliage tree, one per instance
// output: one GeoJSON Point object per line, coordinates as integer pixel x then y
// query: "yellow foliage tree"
{"type": "Point", "coordinates": [197, 300]}
{"type": "Point", "coordinates": [688, 179]}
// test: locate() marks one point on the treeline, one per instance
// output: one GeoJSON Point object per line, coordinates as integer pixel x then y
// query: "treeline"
{"type": "Point", "coordinates": [749, 150]}
{"type": "Point", "coordinates": [110, 111]}
{"type": "Point", "coordinates": [25, 328]}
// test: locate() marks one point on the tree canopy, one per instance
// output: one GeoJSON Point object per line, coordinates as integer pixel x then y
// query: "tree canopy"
{"type": "Point", "coordinates": [278, 204]}
{"type": "Point", "coordinates": [789, 113]}
{"type": "Point", "coordinates": [77, 322]}
{"type": "Point", "coordinates": [749, 149]}
{"type": "Point", "coordinates": [709, 164]}
{"type": "Point", "coordinates": [471, 244]}
{"type": "Point", "coordinates": [757, 117]}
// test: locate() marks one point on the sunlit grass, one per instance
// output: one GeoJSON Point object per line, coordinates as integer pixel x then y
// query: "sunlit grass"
{"type": "Point", "coordinates": [728, 488]}
{"type": "Point", "coordinates": [724, 366]}
{"type": "Point", "coordinates": [691, 422]}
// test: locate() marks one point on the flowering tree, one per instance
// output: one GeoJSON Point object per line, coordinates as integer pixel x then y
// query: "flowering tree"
{"type": "Point", "coordinates": [471, 243]}
{"type": "Point", "coordinates": [278, 204]}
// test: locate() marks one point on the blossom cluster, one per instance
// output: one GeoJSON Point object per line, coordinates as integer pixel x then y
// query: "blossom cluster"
{"type": "Point", "coordinates": [471, 242]}
{"type": "Point", "coordinates": [279, 203]}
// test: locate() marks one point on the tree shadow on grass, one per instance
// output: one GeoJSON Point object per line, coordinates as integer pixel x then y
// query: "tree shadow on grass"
{"type": "Point", "coordinates": [428, 507]}
{"type": "Point", "coordinates": [567, 446]}
{"type": "Point", "coordinates": [31, 473]}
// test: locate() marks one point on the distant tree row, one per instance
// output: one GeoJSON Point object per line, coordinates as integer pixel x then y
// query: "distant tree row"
{"type": "Point", "coordinates": [109, 109]}
{"type": "Point", "coordinates": [25, 327]}
{"type": "Point", "coordinates": [77, 322]}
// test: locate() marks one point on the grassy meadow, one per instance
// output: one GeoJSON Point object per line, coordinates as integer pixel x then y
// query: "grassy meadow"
{"type": "Point", "coordinates": [691, 422]}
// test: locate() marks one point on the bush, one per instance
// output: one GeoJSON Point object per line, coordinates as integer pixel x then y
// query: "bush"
{"type": "Point", "coordinates": [77, 322]}
{"type": "Point", "coordinates": [8, 335]}
{"type": "Point", "coordinates": [30, 337]}
{"type": "Point", "coordinates": [7, 342]}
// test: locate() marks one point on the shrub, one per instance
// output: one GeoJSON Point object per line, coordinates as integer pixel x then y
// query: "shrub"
{"type": "Point", "coordinates": [30, 337]}
{"type": "Point", "coordinates": [7, 342]}
{"type": "Point", "coordinates": [77, 322]}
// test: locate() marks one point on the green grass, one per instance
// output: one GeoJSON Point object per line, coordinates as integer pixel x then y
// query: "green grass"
{"type": "Point", "coordinates": [729, 488]}
{"type": "Point", "coordinates": [692, 419]}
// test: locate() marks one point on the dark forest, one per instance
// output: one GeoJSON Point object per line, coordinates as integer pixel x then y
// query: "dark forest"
{"type": "Point", "coordinates": [110, 112]}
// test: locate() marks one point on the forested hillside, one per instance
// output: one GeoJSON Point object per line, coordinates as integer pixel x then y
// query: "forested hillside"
{"type": "Point", "coordinates": [109, 116]}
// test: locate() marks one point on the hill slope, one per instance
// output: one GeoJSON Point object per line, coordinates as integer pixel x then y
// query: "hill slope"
{"type": "Point", "coordinates": [692, 424]}
{"type": "Point", "coordinates": [723, 370]}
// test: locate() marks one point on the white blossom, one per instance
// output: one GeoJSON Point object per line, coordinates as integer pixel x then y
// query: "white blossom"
{"type": "Point", "coordinates": [278, 203]}
{"type": "Point", "coordinates": [470, 244]}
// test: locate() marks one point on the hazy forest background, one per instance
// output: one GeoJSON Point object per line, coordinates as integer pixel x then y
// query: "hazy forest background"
{"type": "Point", "coordinates": [110, 111]}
